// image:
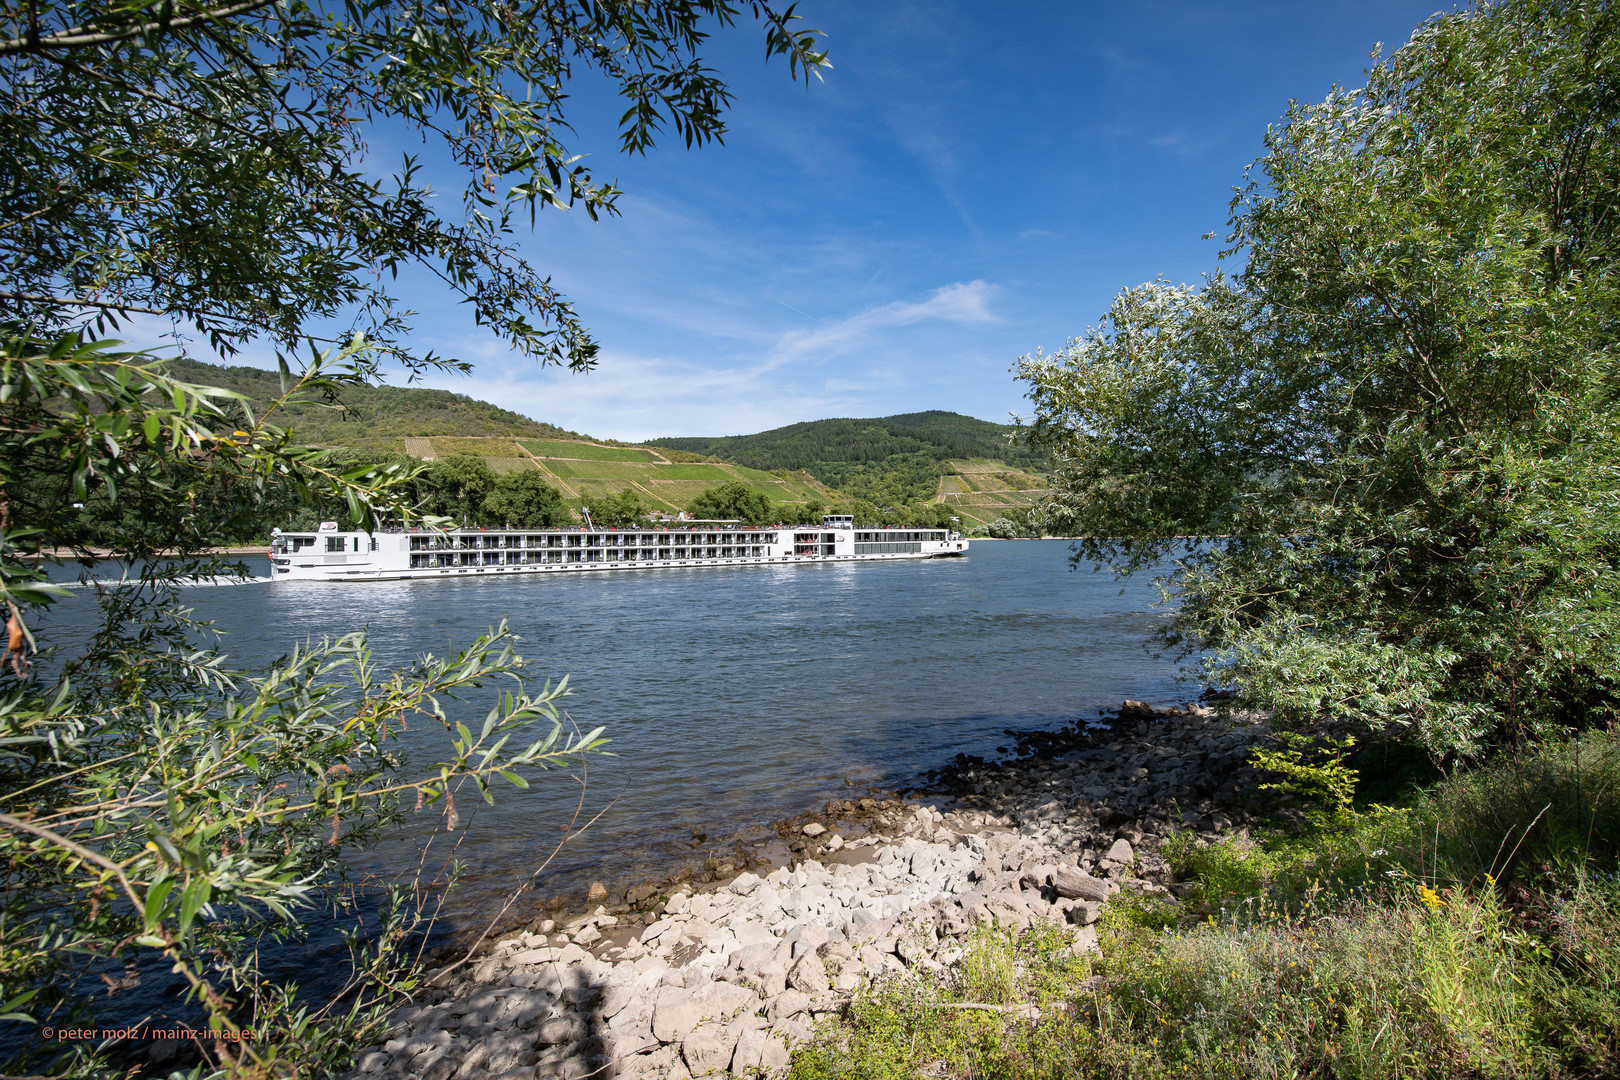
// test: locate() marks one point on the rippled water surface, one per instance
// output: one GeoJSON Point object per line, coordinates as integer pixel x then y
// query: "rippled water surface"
{"type": "Point", "coordinates": [735, 696]}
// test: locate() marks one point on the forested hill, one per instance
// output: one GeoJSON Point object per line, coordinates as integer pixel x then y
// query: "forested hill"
{"type": "Point", "coordinates": [936, 433]}
{"type": "Point", "coordinates": [372, 417]}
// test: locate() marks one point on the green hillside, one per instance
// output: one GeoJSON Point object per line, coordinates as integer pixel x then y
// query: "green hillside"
{"type": "Point", "coordinates": [980, 491]}
{"type": "Point", "coordinates": [908, 464]}
{"type": "Point", "coordinates": [892, 468]}
{"type": "Point", "coordinates": [584, 470]}
{"type": "Point", "coordinates": [372, 417]}
{"type": "Point", "coordinates": [558, 448]}
{"type": "Point", "coordinates": [940, 435]}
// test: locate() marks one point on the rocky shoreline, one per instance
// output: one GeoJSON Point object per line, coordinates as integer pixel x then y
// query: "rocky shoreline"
{"type": "Point", "coordinates": [716, 972]}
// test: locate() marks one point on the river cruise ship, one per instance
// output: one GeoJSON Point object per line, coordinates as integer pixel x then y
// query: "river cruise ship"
{"type": "Point", "coordinates": [330, 554]}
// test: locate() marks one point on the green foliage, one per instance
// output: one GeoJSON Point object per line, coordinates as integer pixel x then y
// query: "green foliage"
{"type": "Point", "coordinates": [1025, 526]}
{"type": "Point", "coordinates": [156, 463]}
{"type": "Point", "coordinates": [622, 508]}
{"type": "Point", "coordinates": [210, 164]}
{"type": "Point", "coordinates": [1316, 775]}
{"type": "Point", "coordinates": [1385, 990]}
{"type": "Point", "coordinates": [1392, 431]}
{"type": "Point", "coordinates": [1396, 979]}
{"type": "Point", "coordinates": [903, 1026]}
{"type": "Point", "coordinates": [1359, 949]}
{"type": "Point", "coordinates": [456, 487]}
{"type": "Point", "coordinates": [524, 500]}
{"type": "Point", "coordinates": [733, 500]}
{"type": "Point", "coordinates": [1540, 814]}
{"type": "Point", "coordinates": [926, 515]}
{"type": "Point", "coordinates": [1526, 814]}
{"type": "Point", "coordinates": [152, 800]}
{"type": "Point", "coordinates": [1288, 869]}
{"type": "Point", "coordinates": [892, 481]}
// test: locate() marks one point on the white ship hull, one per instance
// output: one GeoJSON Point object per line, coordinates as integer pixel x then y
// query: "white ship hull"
{"type": "Point", "coordinates": [333, 555]}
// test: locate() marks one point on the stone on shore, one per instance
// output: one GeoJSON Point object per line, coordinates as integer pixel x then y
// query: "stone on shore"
{"type": "Point", "coordinates": [726, 977]}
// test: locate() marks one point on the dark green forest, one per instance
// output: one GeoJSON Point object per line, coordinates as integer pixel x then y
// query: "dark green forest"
{"type": "Point", "coordinates": [938, 434]}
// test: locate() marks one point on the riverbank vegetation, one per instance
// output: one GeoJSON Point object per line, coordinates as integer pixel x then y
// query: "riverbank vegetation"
{"type": "Point", "coordinates": [1387, 423]}
{"type": "Point", "coordinates": [1473, 930]}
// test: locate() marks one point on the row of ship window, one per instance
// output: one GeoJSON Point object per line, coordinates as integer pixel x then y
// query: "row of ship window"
{"type": "Point", "coordinates": [913, 548]}
{"type": "Point", "coordinates": [497, 541]}
{"type": "Point", "coordinates": [894, 537]}
{"type": "Point", "coordinates": [430, 559]}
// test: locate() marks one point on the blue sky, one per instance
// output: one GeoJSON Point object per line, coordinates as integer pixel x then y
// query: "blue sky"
{"type": "Point", "coordinates": [970, 182]}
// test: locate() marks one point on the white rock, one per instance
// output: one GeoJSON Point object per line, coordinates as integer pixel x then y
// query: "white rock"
{"type": "Point", "coordinates": [718, 1000]}
{"type": "Point", "coordinates": [787, 1004]}
{"type": "Point", "coordinates": [809, 975]}
{"type": "Point", "coordinates": [706, 1049]}
{"type": "Point", "coordinates": [792, 1031]}
{"type": "Point", "coordinates": [772, 978]}
{"type": "Point", "coordinates": [758, 1050]}
{"type": "Point", "coordinates": [1085, 940]}
{"type": "Point", "coordinates": [674, 1014]}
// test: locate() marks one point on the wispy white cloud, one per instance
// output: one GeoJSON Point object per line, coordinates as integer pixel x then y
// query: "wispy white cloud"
{"type": "Point", "coordinates": [964, 303]}
{"type": "Point", "coordinates": [641, 394]}
{"type": "Point", "coordinates": [638, 397]}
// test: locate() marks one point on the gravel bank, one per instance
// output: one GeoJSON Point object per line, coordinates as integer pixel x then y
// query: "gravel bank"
{"type": "Point", "coordinates": [703, 977]}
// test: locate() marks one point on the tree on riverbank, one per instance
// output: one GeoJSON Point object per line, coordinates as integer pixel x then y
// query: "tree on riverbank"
{"type": "Point", "coordinates": [1392, 426]}
{"type": "Point", "coordinates": [733, 500]}
{"type": "Point", "coordinates": [524, 500]}
{"type": "Point", "coordinates": [160, 812]}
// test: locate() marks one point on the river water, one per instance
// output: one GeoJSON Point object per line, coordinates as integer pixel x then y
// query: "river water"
{"type": "Point", "coordinates": [733, 696]}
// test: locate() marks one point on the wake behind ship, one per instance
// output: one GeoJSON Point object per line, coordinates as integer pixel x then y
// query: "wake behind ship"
{"type": "Point", "coordinates": [331, 554]}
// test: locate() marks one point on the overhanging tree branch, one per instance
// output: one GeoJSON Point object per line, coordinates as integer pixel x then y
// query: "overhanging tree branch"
{"type": "Point", "coordinates": [83, 37]}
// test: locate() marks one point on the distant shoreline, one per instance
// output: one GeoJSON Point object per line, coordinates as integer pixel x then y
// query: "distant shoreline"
{"type": "Point", "coordinates": [69, 554]}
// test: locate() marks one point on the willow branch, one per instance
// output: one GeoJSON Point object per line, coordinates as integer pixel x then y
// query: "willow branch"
{"type": "Point", "coordinates": [81, 851]}
{"type": "Point", "coordinates": [82, 37]}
